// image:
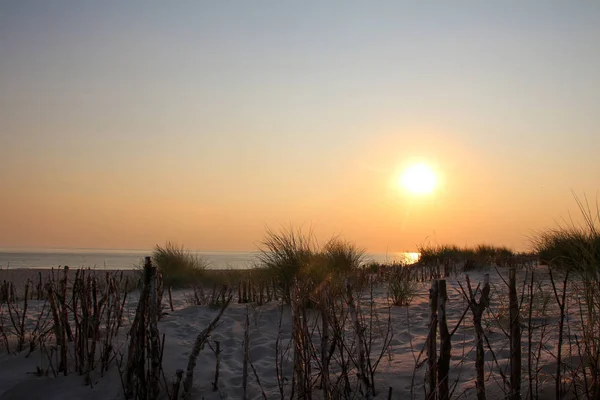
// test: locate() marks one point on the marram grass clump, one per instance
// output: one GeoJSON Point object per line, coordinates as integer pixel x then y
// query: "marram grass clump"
{"type": "Point", "coordinates": [402, 289]}
{"type": "Point", "coordinates": [285, 254]}
{"type": "Point", "coordinates": [292, 256]}
{"type": "Point", "coordinates": [575, 246]}
{"type": "Point", "coordinates": [572, 248]}
{"type": "Point", "coordinates": [475, 257]}
{"type": "Point", "coordinates": [178, 266]}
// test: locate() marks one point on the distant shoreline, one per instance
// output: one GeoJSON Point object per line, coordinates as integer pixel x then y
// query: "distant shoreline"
{"type": "Point", "coordinates": [124, 260]}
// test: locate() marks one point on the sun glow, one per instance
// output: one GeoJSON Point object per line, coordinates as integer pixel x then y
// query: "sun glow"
{"type": "Point", "coordinates": [418, 179]}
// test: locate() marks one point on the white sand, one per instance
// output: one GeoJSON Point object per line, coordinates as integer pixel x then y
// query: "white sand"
{"type": "Point", "coordinates": [396, 370]}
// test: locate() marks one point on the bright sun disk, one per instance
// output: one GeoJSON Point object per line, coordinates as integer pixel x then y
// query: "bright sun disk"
{"type": "Point", "coordinates": [418, 179]}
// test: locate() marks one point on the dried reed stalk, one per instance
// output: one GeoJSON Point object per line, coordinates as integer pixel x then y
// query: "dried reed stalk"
{"type": "Point", "coordinates": [198, 346]}
{"type": "Point", "coordinates": [359, 331]}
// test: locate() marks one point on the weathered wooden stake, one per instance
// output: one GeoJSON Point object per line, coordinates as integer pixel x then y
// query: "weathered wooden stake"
{"type": "Point", "coordinates": [65, 310]}
{"type": "Point", "coordinates": [218, 364]}
{"type": "Point", "coordinates": [177, 384]}
{"type": "Point", "coordinates": [477, 308]}
{"type": "Point", "coordinates": [445, 344]}
{"type": "Point", "coordinates": [154, 377]}
{"type": "Point", "coordinates": [431, 341]}
{"type": "Point", "coordinates": [274, 286]}
{"type": "Point", "coordinates": [530, 338]}
{"type": "Point", "coordinates": [40, 286]}
{"type": "Point", "coordinates": [171, 298]}
{"type": "Point", "coordinates": [246, 357]}
{"type": "Point", "coordinates": [515, 338]}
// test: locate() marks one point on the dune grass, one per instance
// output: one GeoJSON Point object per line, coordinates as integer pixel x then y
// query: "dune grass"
{"type": "Point", "coordinates": [337, 260]}
{"type": "Point", "coordinates": [292, 254]}
{"type": "Point", "coordinates": [342, 256]}
{"type": "Point", "coordinates": [284, 254]}
{"type": "Point", "coordinates": [178, 266]}
{"type": "Point", "coordinates": [573, 246]}
{"type": "Point", "coordinates": [478, 255]}
{"type": "Point", "coordinates": [576, 248]}
{"type": "Point", "coordinates": [401, 287]}
{"type": "Point", "coordinates": [570, 247]}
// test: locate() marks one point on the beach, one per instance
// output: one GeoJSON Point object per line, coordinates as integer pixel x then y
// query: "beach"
{"type": "Point", "coordinates": [401, 370]}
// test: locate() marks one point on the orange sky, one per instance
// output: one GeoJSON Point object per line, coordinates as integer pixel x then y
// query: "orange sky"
{"type": "Point", "coordinates": [203, 126]}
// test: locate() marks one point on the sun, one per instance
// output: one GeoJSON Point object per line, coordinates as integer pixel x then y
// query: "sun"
{"type": "Point", "coordinates": [418, 179]}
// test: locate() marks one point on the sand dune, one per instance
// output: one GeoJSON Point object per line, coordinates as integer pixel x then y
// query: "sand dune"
{"type": "Point", "coordinates": [396, 370]}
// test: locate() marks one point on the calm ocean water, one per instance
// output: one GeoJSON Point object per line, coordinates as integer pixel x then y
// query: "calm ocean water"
{"type": "Point", "coordinates": [128, 259]}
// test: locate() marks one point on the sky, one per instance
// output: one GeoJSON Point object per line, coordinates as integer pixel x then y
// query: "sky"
{"type": "Point", "coordinates": [129, 124]}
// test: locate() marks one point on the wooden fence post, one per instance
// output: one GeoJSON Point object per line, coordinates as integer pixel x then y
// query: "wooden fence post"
{"type": "Point", "coordinates": [135, 379]}
{"type": "Point", "coordinates": [217, 366]}
{"type": "Point", "coordinates": [246, 357]}
{"type": "Point", "coordinates": [477, 308]}
{"type": "Point", "coordinates": [445, 344]}
{"type": "Point", "coordinates": [63, 300]}
{"type": "Point", "coordinates": [515, 338]}
{"type": "Point", "coordinates": [154, 339]}
{"type": "Point", "coordinates": [431, 341]}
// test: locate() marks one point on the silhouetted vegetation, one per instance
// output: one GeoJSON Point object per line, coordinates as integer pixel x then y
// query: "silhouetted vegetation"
{"type": "Point", "coordinates": [476, 256]}
{"type": "Point", "coordinates": [291, 255]}
{"type": "Point", "coordinates": [285, 254]}
{"type": "Point", "coordinates": [576, 249]}
{"type": "Point", "coordinates": [178, 266]}
{"type": "Point", "coordinates": [402, 286]}
{"type": "Point", "coordinates": [570, 247]}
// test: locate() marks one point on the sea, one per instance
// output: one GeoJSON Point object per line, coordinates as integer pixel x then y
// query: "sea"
{"type": "Point", "coordinates": [111, 259]}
